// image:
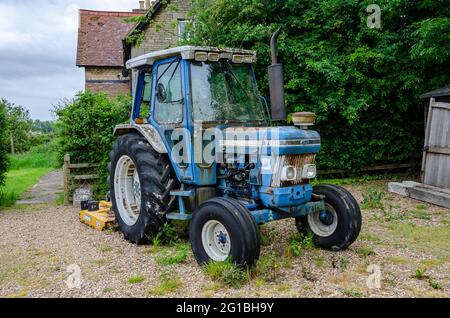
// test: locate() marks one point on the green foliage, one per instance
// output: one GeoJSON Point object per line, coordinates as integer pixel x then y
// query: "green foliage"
{"type": "Point", "coordinates": [364, 84]}
{"type": "Point", "coordinates": [136, 279]}
{"type": "Point", "coordinates": [177, 256]}
{"type": "Point", "coordinates": [226, 273]}
{"type": "Point", "coordinates": [168, 283]}
{"type": "Point", "coordinates": [3, 145]}
{"type": "Point", "coordinates": [373, 199]}
{"type": "Point", "coordinates": [419, 273]}
{"type": "Point", "coordinates": [43, 126]}
{"type": "Point", "coordinates": [84, 130]}
{"type": "Point", "coordinates": [299, 242]}
{"type": "Point", "coordinates": [18, 127]}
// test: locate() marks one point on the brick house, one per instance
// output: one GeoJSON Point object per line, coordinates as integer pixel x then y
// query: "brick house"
{"type": "Point", "coordinates": [164, 27]}
{"type": "Point", "coordinates": [103, 49]}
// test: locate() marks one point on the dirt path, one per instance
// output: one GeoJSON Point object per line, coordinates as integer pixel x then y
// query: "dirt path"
{"type": "Point", "coordinates": [46, 190]}
{"type": "Point", "coordinates": [42, 246]}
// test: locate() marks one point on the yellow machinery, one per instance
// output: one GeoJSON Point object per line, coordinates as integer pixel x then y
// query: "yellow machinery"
{"type": "Point", "coordinates": [100, 218]}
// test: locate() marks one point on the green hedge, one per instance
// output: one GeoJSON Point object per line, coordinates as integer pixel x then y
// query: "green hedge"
{"type": "Point", "coordinates": [364, 84]}
{"type": "Point", "coordinates": [84, 130]}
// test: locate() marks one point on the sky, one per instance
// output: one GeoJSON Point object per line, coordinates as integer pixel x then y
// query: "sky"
{"type": "Point", "coordinates": [38, 41]}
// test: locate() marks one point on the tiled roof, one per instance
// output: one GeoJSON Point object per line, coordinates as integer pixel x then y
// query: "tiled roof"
{"type": "Point", "coordinates": [100, 37]}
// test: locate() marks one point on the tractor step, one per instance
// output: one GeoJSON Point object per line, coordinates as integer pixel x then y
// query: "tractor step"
{"type": "Point", "coordinates": [182, 193]}
{"type": "Point", "coordinates": [178, 216]}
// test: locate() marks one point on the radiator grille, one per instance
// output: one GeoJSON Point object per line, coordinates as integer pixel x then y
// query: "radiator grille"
{"type": "Point", "coordinates": [297, 161]}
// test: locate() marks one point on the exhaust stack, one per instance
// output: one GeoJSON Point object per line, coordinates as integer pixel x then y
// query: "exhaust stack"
{"type": "Point", "coordinates": [276, 82]}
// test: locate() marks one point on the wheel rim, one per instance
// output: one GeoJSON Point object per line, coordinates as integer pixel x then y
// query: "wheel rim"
{"type": "Point", "coordinates": [323, 223]}
{"type": "Point", "coordinates": [127, 190]}
{"type": "Point", "coordinates": [216, 241]}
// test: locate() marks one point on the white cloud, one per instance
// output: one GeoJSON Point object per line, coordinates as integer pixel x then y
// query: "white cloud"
{"type": "Point", "coordinates": [38, 40]}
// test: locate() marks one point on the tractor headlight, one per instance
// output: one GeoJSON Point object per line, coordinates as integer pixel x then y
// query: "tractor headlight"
{"type": "Point", "coordinates": [309, 171]}
{"type": "Point", "coordinates": [288, 173]}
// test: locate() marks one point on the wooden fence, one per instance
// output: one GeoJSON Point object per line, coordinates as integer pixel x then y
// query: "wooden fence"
{"type": "Point", "coordinates": [75, 175]}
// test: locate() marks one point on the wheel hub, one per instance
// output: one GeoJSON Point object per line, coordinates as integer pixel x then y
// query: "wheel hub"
{"type": "Point", "coordinates": [127, 190]}
{"type": "Point", "coordinates": [326, 217]}
{"type": "Point", "coordinates": [216, 241]}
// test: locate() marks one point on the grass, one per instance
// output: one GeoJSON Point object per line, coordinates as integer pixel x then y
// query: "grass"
{"type": "Point", "coordinates": [136, 279]}
{"type": "Point", "coordinates": [365, 251]}
{"type": "Point", "coordinates": [177, 256]}
{"type": "Point", "coordinates": [168, 283]}
{"type": "Point", "coordinates": [299, 242]}
{"type": "Point", "coordinates": [352, 293]}
{"type": "Point", "coordinates": [420, 273]}
{"type": "Point", "coordinates": [226, 273]}
{"type": "Point", "coordinates": [25, 170]}
{"type": "Point", "coordinates": [373, 199]}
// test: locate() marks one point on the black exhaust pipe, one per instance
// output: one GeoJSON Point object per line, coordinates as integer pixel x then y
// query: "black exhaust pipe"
{"type": "Point", "coordinates": [276, 83]}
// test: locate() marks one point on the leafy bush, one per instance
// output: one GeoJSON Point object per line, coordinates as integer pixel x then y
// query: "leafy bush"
{"type": "Point", "coordinates": [3, 145]}
{"type": "Point", "coordinates": [364, 84]}
{"type": "Point", "coordinates": [85, 130]}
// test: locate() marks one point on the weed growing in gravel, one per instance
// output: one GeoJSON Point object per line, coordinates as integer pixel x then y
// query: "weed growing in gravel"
{"type": "Point", "coordinates": [269, 266]}
{"type": "Point", "coordinates": [226, 273]}
{"type": "Point", "coordinates": [434, 284]}
{"type": "Point", "coordinates": [369, 237]}
{"type": "Point", "coordinates": [352, 293]}
{"type": "Point", "coordinates": [268, 235]}
{"type": "Point", "coordinates": [372, 199]}
{"type": "Point", "coordinates": [136, 279]}
{"type": "Point", "coordinates": [299, 242]}
{"type": "Point", "coordinates": [343, 264]}
{"type": "Point", "coordinates": [106, 249]}
{"type": "Point", "coordinates": [419, 273]}
{"type": "Point", "coordinates": [421, 207]}
{"type": "Point", "coordinates": [167, 236]}
{"type": "Point", "coordinates": [366, 251]}
{"type": "Point", "coordinates": [168, 283]}
{"type": "Point", "coordinates": [420, 214]}
{"type": "Point", "coordinates": [177, 256]}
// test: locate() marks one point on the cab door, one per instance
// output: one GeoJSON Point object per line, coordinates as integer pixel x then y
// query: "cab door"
{"type": "Point", "coordinates": [168, 113]}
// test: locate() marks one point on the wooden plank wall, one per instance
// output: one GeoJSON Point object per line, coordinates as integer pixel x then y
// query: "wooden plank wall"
{"type": "Point", "coordinates": [436, 162]}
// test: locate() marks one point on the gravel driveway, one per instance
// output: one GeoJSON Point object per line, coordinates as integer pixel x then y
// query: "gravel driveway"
{"type": "Point", "coordinates": [407, 240]}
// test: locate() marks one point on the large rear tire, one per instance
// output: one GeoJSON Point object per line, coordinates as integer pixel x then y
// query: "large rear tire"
{"type": "Point", "coordinates": [140, 183]}
{"type": "Point", "coordinates": [339, 225]}
{"type": "Point", "coordinates": [221, 229]}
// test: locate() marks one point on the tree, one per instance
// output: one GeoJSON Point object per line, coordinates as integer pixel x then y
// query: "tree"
{"type": "Point", "coordinates": [3, 145]}
{"type": "Point", "coordinates": [18, 126]}
{"type": "Point", "coordinates": [363, 83]}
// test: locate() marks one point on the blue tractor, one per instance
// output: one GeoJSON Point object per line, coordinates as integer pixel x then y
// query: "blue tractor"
{"type": "Point", "coordinates": [202, 146]}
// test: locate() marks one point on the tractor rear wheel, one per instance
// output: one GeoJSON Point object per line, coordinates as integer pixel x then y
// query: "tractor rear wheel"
{"type": "Point", "coordinates": [339, 225]}
{"type": "Point", "coordinates": [221, 229]}
{"type": "Point", "coordinates": [140, 182]}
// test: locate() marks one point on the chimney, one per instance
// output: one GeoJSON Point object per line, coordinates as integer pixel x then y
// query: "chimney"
{"type": "Point", "coordinates": [148, 4]}
{"type": "Point", "coordinates": [141, 5]}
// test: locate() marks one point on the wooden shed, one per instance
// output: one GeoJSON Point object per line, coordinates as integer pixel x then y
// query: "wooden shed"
{"type": "Point", "coordinates": [435, 173]}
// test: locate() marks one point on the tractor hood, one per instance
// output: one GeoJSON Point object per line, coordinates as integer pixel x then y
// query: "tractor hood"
{"type": "Point", "coordinates": [270, 140]}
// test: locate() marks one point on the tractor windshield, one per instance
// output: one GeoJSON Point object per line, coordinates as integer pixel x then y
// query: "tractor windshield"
{"type": "Point", "coordinates": [224, 92]}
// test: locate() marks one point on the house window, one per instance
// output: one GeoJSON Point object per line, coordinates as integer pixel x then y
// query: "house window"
{"type": "Point", "coordinates": [183, 29]}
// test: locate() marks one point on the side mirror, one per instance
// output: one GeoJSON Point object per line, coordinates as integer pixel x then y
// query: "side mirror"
{"type": "Point", "coordinates": [161, 93]}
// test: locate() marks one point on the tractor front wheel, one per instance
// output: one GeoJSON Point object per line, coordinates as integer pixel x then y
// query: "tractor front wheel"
{"type": "Point", "coordinates": [221, 229]}
{"type": "Point", "coordinates": [338, 226]}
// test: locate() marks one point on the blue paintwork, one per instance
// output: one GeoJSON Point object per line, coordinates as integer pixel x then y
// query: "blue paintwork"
{"type": "Point", "coordinates": [286, 196]}
{"type": "Point", "coordinates": [266, 215]}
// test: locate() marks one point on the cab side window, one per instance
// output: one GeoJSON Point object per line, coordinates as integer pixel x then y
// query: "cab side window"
{"type": "Point", "coordinates": [169, 94]}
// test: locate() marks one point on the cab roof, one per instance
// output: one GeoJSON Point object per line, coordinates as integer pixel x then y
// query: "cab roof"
{"type": "Point", "coordinates": [186, 53]}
